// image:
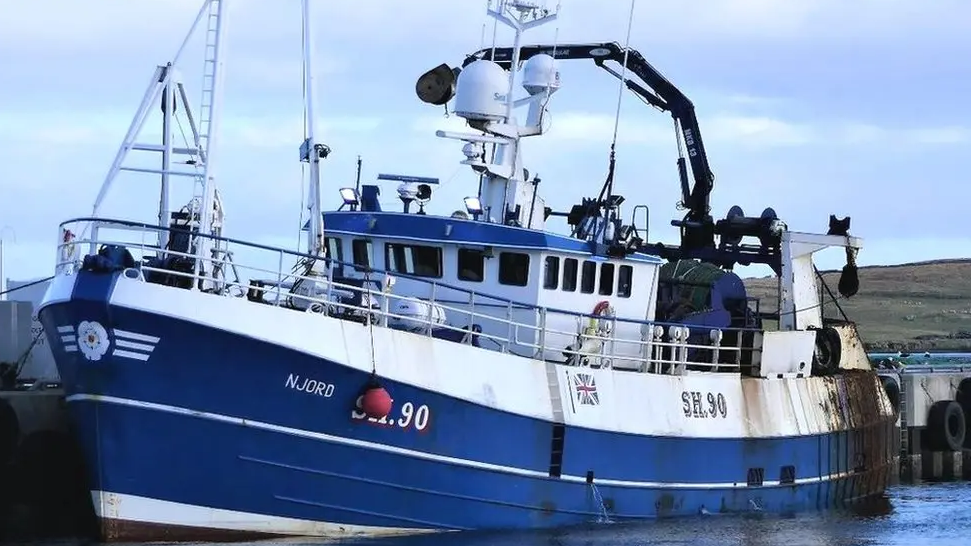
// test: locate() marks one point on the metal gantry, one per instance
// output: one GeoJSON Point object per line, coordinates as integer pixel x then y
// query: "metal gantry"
{"type": "Point", "coordinates": [194, 160]}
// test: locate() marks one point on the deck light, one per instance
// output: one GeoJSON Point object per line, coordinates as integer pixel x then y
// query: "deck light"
{"type": "Point", "coordinates": [473, 206]}
{"type": "Point", "coordinates": [350, 197]}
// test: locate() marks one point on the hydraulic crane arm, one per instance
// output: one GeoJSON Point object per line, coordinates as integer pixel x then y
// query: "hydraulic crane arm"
{"type": "Point", "coordinates": [697, 229]}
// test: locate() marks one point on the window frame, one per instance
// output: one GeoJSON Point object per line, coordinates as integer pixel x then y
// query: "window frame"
{"type": "Point", "coordinates": [588, 266]}
{"type": "Point", "coordinates": [389, 248]}
{"type": "Point", "coordinates": [606, 267]}
{"type": "Point", "coordinates": [368, 254]}
{"type": "Point", "coordinates": [551, 275]}
{"type": "Point", "coordinates": [503, 279]}
{"type": "Point", "coordinates": [571, 267]}
{"type": "Point", "coordinates": [621, 293]}
{"type": "Point", "coordinates": [459, 268]}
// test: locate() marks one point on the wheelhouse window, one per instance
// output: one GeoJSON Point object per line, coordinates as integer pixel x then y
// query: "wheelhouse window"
{"type": "Point", "coordinates": [551, 273]}
{"type": "Point", "coordinates": [471, 265]}
{"type": "Point", "coordinates": [362, 252]}
{"type": "Point", "coordinates": [513, 268]}
{"type": "Point", "coordinates": [570, 267]}
{"type": "Point", "coordinates": [625, 278]}
{"type": "Point", "coordinates": [588, 277]}
{"type": "Point", "coordinates": [335, 253]}
{"type": "Point", "coordinates": [420, 260]}
{"type": "Point", "coordinates": [606, 279]}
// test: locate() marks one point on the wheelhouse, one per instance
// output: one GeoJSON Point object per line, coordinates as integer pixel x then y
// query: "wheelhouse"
{"type": "Point", "coordinates": [443, 259]}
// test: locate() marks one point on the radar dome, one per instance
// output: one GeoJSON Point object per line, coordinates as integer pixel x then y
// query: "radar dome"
{"type": "Point", "coordinates": [480, 93]}
{"type": "Point", "coordinates": [540, 73]}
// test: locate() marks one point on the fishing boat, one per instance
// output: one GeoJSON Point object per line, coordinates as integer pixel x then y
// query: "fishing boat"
{"type": "Point", "coordinates": [413, 372]}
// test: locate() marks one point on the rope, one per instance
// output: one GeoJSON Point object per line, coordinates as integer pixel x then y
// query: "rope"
{"type": "Point", "coordinates": [18, 365]}
{"type": "Point", "coordinates": [303, 168]}
{"type": "Point", "coordinates": [370, 321]}
{"type": "Point", "coordinates": [22, 359]}
{"type": "Point", "coordinates": [28, 285]}
{"type": "Point", "coordinates": [495, 32]}
{"type": "Point", "coordinates": [623, 75]}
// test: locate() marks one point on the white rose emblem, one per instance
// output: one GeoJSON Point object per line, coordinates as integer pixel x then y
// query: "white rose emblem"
{"type": "Point", "coordinates": [92, 339]}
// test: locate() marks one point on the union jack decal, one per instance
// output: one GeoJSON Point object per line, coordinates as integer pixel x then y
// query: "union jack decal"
{"type": "Point", "coordinates": [586, 389]}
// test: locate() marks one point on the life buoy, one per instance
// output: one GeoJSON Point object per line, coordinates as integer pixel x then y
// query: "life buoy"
{"type": "Point", "coordinates": [600, 320]}
{"type": "Point", "coordinates": [946, 426]}
{"type": "Point", "coordinates": [68, 246]}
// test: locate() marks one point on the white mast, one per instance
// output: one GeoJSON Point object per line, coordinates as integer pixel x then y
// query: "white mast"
{"type": "Point", "coordinates": [209, 115]}
{"type": "Point", "coordinates": [484, 96]}
{"type": "Point", "coordinates": [198, 165]}
{"type": "Point", "coordinates": [311, 151]}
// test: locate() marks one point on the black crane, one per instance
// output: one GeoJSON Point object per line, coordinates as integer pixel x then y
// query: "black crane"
{"type": "Point", "coordinates": [698, 228]}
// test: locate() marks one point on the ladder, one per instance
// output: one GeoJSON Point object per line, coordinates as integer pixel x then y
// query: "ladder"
{"type": "Point", "coordinates": [902, 411]}
{"type": "Point", "coordinates": [205, 210]}
{"type": "Point", "coordinates": [210, 72]}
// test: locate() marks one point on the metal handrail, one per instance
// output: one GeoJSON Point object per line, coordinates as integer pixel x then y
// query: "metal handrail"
{"type": "Point", "coordinates": [647, 352]}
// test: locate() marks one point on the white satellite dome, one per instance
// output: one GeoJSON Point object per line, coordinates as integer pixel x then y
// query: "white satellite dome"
{"type": "Point", "coordinates": [540, 74]}
{"type": "Point", "coordinates": [480, 93]}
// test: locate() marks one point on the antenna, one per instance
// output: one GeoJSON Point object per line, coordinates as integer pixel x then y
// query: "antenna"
{"type": "Point", "coordinates": [520, 15]}
{"type": "Point", "coordinates": [484, 96]}
{"type": "Point", "coordinates": [311, 151]}
{"type": "Point", "coordinates": [495, 28]}
{"type": "Point", "coordinates": [620, 99]}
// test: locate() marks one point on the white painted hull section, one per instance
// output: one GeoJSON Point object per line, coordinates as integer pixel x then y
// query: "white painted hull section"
{"type": "Point", "coordinates": [123, 508]}
{"type": "Point", "coordinates": [662, 404]}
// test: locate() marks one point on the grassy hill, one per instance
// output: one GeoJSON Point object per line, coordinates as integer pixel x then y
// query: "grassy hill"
{"type": "Point", "coordinates": [923, 306]}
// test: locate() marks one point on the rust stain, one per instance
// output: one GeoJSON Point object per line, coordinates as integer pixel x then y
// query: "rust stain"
{"type": "Point", "coordinates": [665, 504]}
{"type": "Point", "coordinates": [118, 530]}
{"type": "Point", "coordinates": [547, 508]}
{"type": "Point", "coordinates": [752, 409]}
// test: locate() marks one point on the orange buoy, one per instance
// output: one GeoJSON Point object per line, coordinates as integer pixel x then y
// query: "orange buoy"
{"type": "Point", "coordinates": [376, 402]}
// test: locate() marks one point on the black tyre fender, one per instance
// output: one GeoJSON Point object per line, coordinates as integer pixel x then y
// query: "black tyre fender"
{"type": "Point", "coordinates": [828, 351]}
{"type": "Point", "coordinates": [963, 397]}
{"type": "Point", "coordinates": [946, 426]}
{"type": "Point", "coordinates": [892, 388]}
{"type": "Point", "coordinates": [9, 431]}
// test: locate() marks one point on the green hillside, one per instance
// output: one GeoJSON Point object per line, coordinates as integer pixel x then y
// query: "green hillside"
{"type": "Point", "coordinates": [923, 306]}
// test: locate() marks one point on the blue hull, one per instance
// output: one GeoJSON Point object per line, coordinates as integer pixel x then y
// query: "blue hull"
{"type": "Point", "coordinates": [206, 419]}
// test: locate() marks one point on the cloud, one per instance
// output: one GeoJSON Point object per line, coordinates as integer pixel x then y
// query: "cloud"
{"type": "Point", "coordinates": [275, 132]}
{"type": "Point", "coordinates": [859, 133]}
{"type": "Point", "coordinates": [56, 128]}
{"type": "Point", "coordinates": [941, 135]}
{"type": "Point", "coordinates": [749, 131]}
{"type": "Point", "coordinates": [584, 127]}
{"type": "Point", "coordinates": [59, 128]}
{"type": "Point", "coordinates": [757, 131]}
{"type": "Point", "coordinates": [52, 24]}
{"type": "Point", "coordinates": [750, 20]}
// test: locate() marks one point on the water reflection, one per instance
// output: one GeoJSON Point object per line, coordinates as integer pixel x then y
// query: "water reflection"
{"type": "Point", "coordinates": [937, 514]}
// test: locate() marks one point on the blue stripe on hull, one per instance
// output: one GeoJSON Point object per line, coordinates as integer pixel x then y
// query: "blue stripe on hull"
{"type": "Point", "coordinates": [207, 463]}
{"type": "Point", "coordinates": [200, 461]}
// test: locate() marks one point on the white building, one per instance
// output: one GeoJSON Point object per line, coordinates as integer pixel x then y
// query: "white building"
{"type": "Point", "coordinates": [19, 327]}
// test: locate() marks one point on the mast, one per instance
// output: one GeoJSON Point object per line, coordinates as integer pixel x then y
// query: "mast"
{"type": "Point", "coordinates": [311, 151]}
{"type": "Point", "coordinates": [165, 89]}
{"type": "Point", "coordinates": [483, 93]}
{"type": "Point", "coordinates": [209, 115]}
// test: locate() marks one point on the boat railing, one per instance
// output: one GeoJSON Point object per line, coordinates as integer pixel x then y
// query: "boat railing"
{"type": "Point", "coordinates": [470, 317]}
